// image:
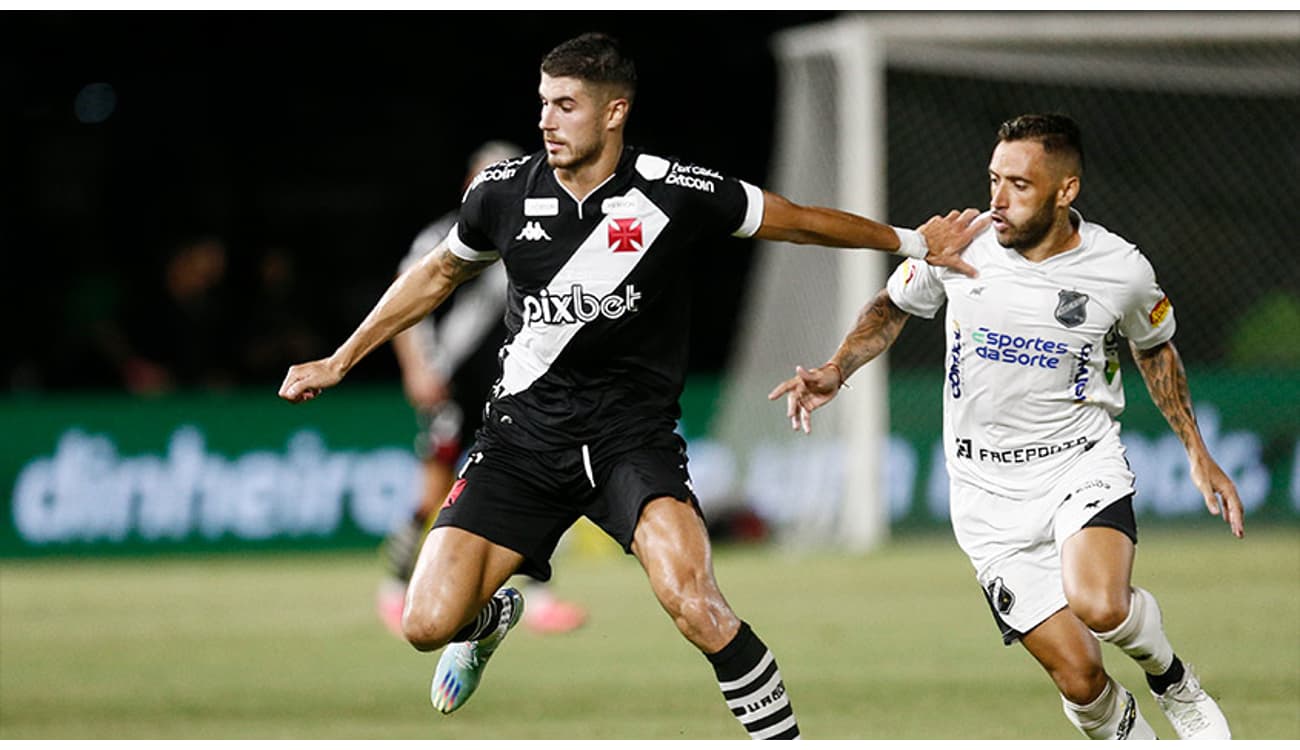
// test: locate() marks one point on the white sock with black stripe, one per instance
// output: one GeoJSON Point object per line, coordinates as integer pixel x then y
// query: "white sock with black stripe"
{"type": "Point", "coordinates": [1113, 715]}
{"type": "Point", "coordinates": [751, 684]}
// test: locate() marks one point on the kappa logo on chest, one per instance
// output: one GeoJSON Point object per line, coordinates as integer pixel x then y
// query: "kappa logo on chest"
{"type": "Point", "coordinates": [532, 232]}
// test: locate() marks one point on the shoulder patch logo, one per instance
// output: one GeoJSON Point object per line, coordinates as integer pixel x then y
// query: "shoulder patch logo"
{"type": "Point", "coordinates": [502, 170]}
{"type": "Point", "coordinates": [909, 272]}
{"type": "Point", "coordinates": [1160, 311]}
{"type": "Point", "coordinates": [694, 177]}
{"type": "Point", "coordinates": [1071, 308]}
{"type": "Point", "coordinates": [651, 167]}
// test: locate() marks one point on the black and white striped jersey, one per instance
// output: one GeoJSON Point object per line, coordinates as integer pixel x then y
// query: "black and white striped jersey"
{"type": "Point", "coordinates": [598, 302]}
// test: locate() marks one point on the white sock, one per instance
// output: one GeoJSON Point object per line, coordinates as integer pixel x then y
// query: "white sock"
{"type": "Point", "coordinates": [1114, 715]}
{"type": "Point", "coordinates": [1142, 634]}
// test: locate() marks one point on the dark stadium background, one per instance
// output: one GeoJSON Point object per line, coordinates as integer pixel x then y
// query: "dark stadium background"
{"type": "Point", "coordinates": [333, 136]}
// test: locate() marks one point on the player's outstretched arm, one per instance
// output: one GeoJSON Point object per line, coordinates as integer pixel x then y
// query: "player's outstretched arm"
{"type": "Point", "coordinates": [1162, 369]}
{"type": "Point", "coordinates": [940, 241]}
{"type": "Point", "coordinates": [410, 297]}
{"type": "Point", "coordinates": [877, 327]}
{"type": "Point", "coordinates": [424, 384]}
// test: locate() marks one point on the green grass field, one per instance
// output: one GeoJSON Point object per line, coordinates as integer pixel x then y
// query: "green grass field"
{"type": "Point", "coordinates": [897, 644]}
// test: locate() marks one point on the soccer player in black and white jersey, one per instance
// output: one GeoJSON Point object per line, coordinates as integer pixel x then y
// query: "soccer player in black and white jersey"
{"type": "Point", "coordinates": [448, 366]}
{"type": "Point", "coordinates": [1041, 494]}
{"type": "Point", "coordinates": [598, 241]}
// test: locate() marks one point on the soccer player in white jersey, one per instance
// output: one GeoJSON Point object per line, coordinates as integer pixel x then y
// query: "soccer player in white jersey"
{"type": "Point", "coordinates": [1041, 494]}
{"type": "Point", "coordinates": [599, 241]}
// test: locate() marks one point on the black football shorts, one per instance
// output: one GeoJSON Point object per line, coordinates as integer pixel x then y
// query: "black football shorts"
{"type": "Point", "coordinates": [526, 500]}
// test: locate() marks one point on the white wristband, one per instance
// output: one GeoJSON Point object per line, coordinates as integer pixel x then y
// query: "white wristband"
{"type": "Point", "coordinates": [911, 243]}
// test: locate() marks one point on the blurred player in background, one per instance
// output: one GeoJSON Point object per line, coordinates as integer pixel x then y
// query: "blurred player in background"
{"type": "Point", "coordinates": [1041, 494]}
{"type": "Point", "coordinates": [448, 367]}
{"type": "Point", "coordinates": [599, 242]}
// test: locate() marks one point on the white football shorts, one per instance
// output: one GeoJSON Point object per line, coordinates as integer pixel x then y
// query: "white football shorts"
{"type": "Point", "coordinates": [1015, 545]}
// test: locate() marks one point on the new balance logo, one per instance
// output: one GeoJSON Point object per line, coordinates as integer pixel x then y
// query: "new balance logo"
{"type": "Point", "coordinates": [532, 232]}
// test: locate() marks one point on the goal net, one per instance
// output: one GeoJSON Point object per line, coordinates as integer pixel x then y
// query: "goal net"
{"type": "Point", "coordinates": [1189, 124]}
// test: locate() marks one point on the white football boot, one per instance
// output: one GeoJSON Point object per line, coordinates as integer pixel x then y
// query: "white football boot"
{"type": "Point", "coordinates": [1192, 712]}
{"type": "Point", "coordinates": [461, 665]}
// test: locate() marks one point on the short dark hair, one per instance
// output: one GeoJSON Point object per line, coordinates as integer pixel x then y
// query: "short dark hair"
{"type": "Point", "coordinates": [1058, 134]}
{"type": "Point", "coordinates": [596, 58]}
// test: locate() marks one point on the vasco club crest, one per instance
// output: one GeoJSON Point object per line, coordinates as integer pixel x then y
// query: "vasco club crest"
{"type": "Point", "coordinates": [1072, 309]}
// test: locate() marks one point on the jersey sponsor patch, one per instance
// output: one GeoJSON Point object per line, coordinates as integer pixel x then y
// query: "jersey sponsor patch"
{"type": "Point", "coordinates": [541, 206]}
{"type": "Point", "coordinates": [621, 206]}
{"type": "Point", "coordinates": [1160, 311]}
{"type": "Point", "coordinates": [502, 170]}
{"type": "Point", "coordinates": [1024, 351]}
{"type": "Point", "coordinates": [693, 177]}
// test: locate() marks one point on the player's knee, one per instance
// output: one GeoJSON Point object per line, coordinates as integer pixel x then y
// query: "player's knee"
{"type": "Point", "coordinates": [1101, 611]}
{"type": "Point", "coordinates": [702, 615]}
{"type": "Point", "coordinates": [1080, 681]}
{"type": "Point", "coordinates": [426, 630]}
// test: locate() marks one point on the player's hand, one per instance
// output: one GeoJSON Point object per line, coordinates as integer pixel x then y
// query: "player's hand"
{"type": "Point", "coordinates": [1219, 492]}
{"type": "Point", "coordinates": [806, 391]}
{"type": "Point", "coordinates": [305, 381]}
{"type": "Point", "coordinates": [948, 236]}
{"type": "Point", "coordinates": [425, 388]}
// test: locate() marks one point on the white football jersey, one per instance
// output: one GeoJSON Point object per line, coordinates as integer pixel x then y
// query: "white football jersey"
{"type": "Point", "coordinates": [1031, 362]}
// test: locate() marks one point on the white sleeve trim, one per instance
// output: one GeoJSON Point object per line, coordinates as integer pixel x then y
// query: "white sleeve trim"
{"type": "Point", "coordinates": [753, 211]}
{"type": "Point", "coordinates": [461, 250]}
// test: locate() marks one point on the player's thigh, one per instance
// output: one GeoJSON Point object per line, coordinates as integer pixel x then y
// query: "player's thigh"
{"type": "Point", "coordinates": [1096, 533]}
{"type": "Point", "coordinates": [672, 543]}
{"type": "Point", "coordinates": [1096, 570]}
{"type": "Point", "coordinates": [457, 572]}
{"type": "Point", "coordinates": [518, 500]}
{"type": "Point", "coordinates": [1009, 544]}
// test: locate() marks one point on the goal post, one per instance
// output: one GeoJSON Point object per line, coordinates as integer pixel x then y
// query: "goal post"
{"type": "Point", "coordinates": [839, 144]}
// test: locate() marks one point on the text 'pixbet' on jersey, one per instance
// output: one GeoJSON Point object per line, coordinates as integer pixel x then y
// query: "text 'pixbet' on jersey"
{"type": "Point", "coordinates": [578, 306]}
{"type": "Point", "coordinates": [1019, 350]}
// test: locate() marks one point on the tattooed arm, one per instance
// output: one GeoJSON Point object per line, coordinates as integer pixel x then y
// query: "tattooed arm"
{"type": "Point", "coordinates": [877, 328]}
{"type": "Point", "coordinates": [1162, 369]}
{"type": "Point", "coordinates": [413, 295]}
